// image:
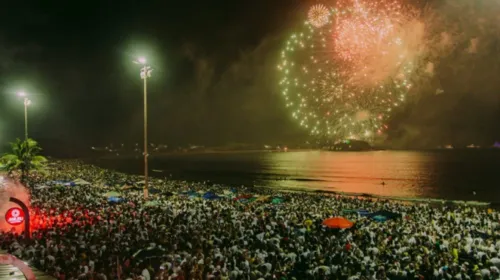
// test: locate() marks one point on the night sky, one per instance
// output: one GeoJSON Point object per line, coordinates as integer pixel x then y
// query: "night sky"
{"type": "Point", "coordinates": [214, 80]}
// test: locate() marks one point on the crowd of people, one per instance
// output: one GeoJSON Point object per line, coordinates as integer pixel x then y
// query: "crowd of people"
{"type": "Point", "coordinates": [79, 232]}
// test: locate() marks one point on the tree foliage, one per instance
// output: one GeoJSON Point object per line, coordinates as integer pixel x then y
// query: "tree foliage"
{"type": "Point", "coordinates": [24, 158]}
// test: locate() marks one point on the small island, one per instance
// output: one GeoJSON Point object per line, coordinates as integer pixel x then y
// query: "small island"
{"type": "Point", "coordinates": [350, 145]}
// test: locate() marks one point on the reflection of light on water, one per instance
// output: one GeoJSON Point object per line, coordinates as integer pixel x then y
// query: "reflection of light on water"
{"type": "Point", "coordinates": [352, 172]}
{"type": "Point", "coordinates": [434, 174]}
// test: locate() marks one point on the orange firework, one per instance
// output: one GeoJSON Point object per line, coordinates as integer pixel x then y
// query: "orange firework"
{"type": "Point", "coordinates": [375, 37]}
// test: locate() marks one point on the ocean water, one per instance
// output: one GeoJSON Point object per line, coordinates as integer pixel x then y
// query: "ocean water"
{"type": "Point", "coordinates": [447, 174]}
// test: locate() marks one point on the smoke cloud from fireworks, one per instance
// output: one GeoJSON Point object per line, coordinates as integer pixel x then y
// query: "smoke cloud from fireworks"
{"type": "Point", "coordinates": [455, 83]}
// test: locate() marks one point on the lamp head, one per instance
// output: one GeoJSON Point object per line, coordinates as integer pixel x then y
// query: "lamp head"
{"type": "Point", "coordinates": [141, 60]}
{"type": "Point", "coordinates": [21, 94]}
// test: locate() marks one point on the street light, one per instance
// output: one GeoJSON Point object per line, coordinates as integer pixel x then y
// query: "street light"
{"type": "Point", "coordinates": [27, 102]}
{"type": "Point", "coordinates": [145, 74]}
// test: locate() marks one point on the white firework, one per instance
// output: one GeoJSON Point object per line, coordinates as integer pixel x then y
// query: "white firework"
{"type": "Point", "coordinates": [318, 15]}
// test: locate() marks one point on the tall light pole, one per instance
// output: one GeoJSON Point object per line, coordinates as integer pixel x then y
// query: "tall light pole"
{"type": "Point", "coordinates": [145, 74]}
{"type": "Point", "coordinates": [27, 102]}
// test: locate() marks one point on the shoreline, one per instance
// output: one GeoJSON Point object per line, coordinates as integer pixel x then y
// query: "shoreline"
{"type": "Point", "coordinates": [429, 200]}
{"type": "Point", "coordinates": [474, 203]}
{"type": "Point", "coordinates": [199, 152]}
{"type": "Point", "coordinates": [101, 154]}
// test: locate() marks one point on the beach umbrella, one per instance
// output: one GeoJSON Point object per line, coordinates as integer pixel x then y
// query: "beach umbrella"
{"type": "Point", "coordinates": [363, 212]}
{"type": "Point", "coordinates": [59, 182]}
{"type": "Point", "coordinates": [110, 194]}
{"type": "Point", "coordinates": [193, 195]}
{"type": "Point", "coordinates": [387, 214]}
{"type": "Point", "coordinates": [277, 200]}
{"type": "Point", "coordinates": [114, 199]}
{"type": "Point", "coordinates": [380, 218]}
{"type": "Point", "coordinates": [337, 222]}
{"type": "Point", "coordinates": [263, 198]}
{"type": "Point", "coordinates": [211, 196]}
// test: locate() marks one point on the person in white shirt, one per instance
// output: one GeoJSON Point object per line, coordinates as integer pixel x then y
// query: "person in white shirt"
{"type": "Point", "coordinates": [496, 261]}
{"type": "Point", "coordinates": [145, 274]}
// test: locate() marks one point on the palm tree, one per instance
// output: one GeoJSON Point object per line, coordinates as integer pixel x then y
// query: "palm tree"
{"type": "Point", "coordinates": [24, 157]}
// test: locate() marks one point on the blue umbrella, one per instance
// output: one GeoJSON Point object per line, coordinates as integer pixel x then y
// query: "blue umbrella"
{"type": "Point", "coordinates": [387, 214]}
{"type": "Point", "coordinates": [363, 213]}
{"type": "Point", "coordinates": [210, 196]}
{"type": "Point", "coordinates": [380, 218]}
{"type": "Point", "coordinates": [64, 183]}
{"type": "Point", "coordinates": [115, 199]}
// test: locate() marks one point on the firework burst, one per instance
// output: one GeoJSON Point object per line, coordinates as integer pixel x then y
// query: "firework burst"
{"type": "Point", "coordinates": [318, 73]}
{"type": "Point", "coordinates": [375, 38]}
{"type": "Point", "coordinates": [318, 15]}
